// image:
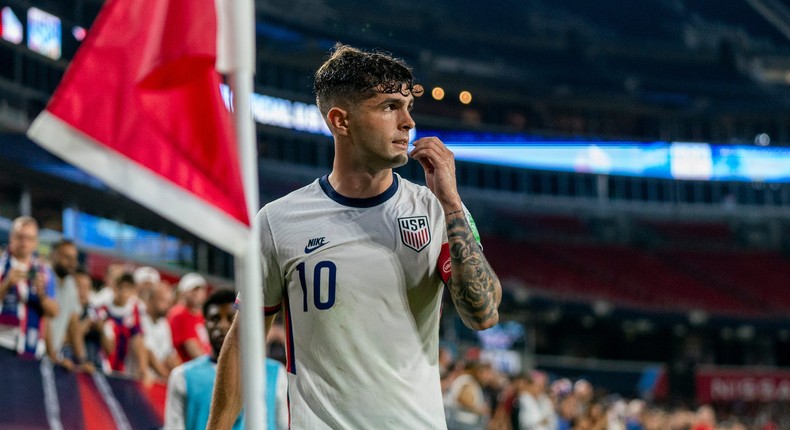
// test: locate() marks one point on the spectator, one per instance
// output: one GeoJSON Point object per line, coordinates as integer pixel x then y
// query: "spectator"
{"type": "Point", "coordinates": [633, 415]}
{"type": "Point", "coordinates": [705, 418]}
{"type": "Point", "coordinates": [568, 411]}
{"type": "Point", "coordinates": [529, 414]}
{"type": "Point", "coordinates": [122, 330]}
{"type": "Point", "coordinates": [64, 264]}
{"type": "Point", "coordinates": [105, 293]}
{"type": "Point", "coordinates": [583, 392]}
{"type": "Point", "coordinates": [548, 416]}
{"type": "Point", "coordinates": [85, 339]}
{"type": "Point", "coordinates": [190, 385]}
{"type": "Point", "coordinates": [186, 319]}
{"type": "Point", "coordinates": [145, 278]}
{"type": "Point", "coordinates": [506, 413]}
{"type": "Point", "coordinates": [465, 404]}
{"type": "Point", "coordinates": [27, 288]}
{"type": "Point", "coordinates": [162, 356]}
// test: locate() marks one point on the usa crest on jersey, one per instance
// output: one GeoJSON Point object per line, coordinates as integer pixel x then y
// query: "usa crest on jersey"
{"type": "Point", "coordinates": [415, 232]}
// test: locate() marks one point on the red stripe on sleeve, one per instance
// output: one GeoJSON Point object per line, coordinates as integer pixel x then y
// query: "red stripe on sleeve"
{"type": "Point", "coordinates": [271, 310]}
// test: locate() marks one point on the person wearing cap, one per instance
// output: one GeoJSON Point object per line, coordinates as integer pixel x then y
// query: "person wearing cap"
{"type": "Point", "coordinates": [186, 318]}
{"type": "Point", "coordinates": [145, 278]}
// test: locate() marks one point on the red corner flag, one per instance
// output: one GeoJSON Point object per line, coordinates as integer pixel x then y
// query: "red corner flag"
{"type": "Point", "coordinates": [140, 108]}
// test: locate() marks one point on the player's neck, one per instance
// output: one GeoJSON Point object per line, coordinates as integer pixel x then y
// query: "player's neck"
{"type": "Point", "coordinates": [360, 184]}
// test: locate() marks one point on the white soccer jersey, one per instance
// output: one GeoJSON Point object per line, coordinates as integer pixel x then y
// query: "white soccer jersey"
{"type": "Point", "coordinates": [360, 283]}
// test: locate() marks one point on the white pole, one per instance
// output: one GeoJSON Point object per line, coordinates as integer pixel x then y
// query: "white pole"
{"type": "Point", "coordinates": [248, 269]}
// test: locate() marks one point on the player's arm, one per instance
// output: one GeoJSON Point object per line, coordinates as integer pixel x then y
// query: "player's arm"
{"type": "Point", "coordinates": [474, 287]}
{"type": "Point", "coordinates": [226, 399]}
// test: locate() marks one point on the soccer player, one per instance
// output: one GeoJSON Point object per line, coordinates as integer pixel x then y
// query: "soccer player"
{"type": "Point", "coordinates": [356, 262]}
{"type": "Point", "coordinates": [190, 384]}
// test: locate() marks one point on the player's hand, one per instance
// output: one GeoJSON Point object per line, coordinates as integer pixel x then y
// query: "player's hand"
{"type": "Point", "coordinates": [438, 162]}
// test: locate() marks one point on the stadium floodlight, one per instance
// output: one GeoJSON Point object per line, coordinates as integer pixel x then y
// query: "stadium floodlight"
{"type": "Point", "coordinates": [44, 33]}
{"type": "Point", "coordinates": [10, 26]}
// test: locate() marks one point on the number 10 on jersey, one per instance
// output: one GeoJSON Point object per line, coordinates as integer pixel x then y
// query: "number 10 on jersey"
{"type": "Point", "coordinates": [322, 268]}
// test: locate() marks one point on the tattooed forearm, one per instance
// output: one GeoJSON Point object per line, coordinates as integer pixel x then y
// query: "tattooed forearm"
{"type": "Point", "coordinates": [474, 286]}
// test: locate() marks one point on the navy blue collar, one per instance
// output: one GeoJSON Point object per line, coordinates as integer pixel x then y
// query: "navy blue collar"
{"type": "Point", "coordinates": [368, 202]}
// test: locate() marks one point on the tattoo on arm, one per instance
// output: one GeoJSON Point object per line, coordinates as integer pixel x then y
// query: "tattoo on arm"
{"type": "Point", "coordinates": [474, 286]}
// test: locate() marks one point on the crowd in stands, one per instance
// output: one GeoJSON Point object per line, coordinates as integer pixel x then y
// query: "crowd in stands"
{"type": "Point", "coordinates": [134, 325]}
{"type": "Point", "coordinates": [479, 397]}
{"type": "Point", "coordinates": [137, 325]}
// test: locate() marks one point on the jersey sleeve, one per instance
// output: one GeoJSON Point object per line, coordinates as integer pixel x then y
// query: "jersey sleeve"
{"type": "Point", "coordinates": [271, 275]}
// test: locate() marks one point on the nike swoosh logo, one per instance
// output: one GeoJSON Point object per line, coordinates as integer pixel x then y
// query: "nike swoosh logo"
{"type": "Point", "coordinates": [308, 249]}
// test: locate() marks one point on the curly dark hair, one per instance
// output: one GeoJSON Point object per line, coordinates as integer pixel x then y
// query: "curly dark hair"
{"type": "Point", "coordinates": [352, 75]}
{"type": "Point", "coordinates": [219, 297]}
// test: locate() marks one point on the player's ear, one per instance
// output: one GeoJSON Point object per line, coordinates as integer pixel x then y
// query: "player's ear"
{"type": "Point", "coordinates": [337, 119]}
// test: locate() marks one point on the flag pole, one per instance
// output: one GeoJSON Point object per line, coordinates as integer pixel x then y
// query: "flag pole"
{"type": "Point", "coordinates": [248, 269]}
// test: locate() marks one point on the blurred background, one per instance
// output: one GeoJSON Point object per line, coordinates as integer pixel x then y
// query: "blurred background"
{"type": "Point", "coordinates": [627, 163]}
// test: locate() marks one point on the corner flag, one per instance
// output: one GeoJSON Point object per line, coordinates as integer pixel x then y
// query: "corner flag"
{"type": "Point", "coordinates": [140, 108]}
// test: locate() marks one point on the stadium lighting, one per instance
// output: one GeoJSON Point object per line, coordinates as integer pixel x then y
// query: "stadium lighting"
{"type": "Point", "coordinates": [10, 26]}
{"type": "Point", "coordinates": [79, 33]}
{"type": "Point", "coordinates": [465, 97]}
{"type": "Point", "coordinates": [762, 139]}
{"type": "Point", "coordinates": [437, 93]}
{"type": "Point", "coordinates": [698, 317]}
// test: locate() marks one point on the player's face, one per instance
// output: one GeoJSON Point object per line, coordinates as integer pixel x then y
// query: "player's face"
{"type": "Point", "coordinates": [379, 127]}
{"type": "Point", "coordinates": [23, 241]}
{"type": "Point", "coordinates": [218, 321]}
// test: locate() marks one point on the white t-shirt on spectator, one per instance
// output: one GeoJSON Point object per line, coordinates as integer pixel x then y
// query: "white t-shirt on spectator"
{"type": "Point", "coordinates": [68, 305]}
{"type": "Point", "coordinates": [157, 337]}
